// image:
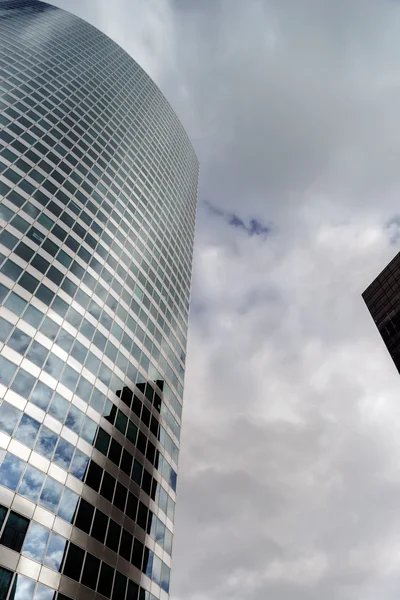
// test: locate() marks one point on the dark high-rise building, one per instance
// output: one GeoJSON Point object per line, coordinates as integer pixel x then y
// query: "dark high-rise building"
{"type": "Point", "coordinates": [382, 298]}
{"type": "Point", "coordinates": [98, 188]}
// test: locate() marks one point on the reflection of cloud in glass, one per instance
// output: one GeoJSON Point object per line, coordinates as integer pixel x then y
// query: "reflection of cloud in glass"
{"type": "Point", "coordinates": [10, 471]}
{"type": "Point", "coordinates": [55, 551]}
{"type": "Point", "coordinates": [79, 464]}
{"type": "Point", "coordinates": [74, 419]}
{"type": "Point", "coordinates": [165, 575]}
{"type": "Point", "coordinates": [31, 483]}
{"type": "Point", "coordinates": [68, 505]}
{"type": "Point", "coordinates": [41, 395]}
{"type": "Point", "coordinates": [59, 408]}
{"type": "Point", "coordinates": [46, 443]}
{"type": "Point", "coordinates": [22, 588]}
{"type": "Point", "coordinates": [63, 454]}
{"type": "Point", "coordinates": [44, 593]}
{"type": "Point", "coordinates": [35, 541]}
{"type": "Point", "coordinates": [27, 431]}
{"type": "Point", "coordinates": [89, 430]}
{"type": "Point", "coordinates": [54, 366]}
{"type": "Point", "coordinates": [156, 573]}
{"type": "Point", "coordinates": [37, 353]}
{"type": "Point", "coordinates": [50, 496]}
{"type": "Point", "coordinates": [9, 416]}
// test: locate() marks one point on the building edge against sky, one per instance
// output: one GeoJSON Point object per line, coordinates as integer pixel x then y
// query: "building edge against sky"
{"type": "Point", "coordinates": [382, 298]}
{"type": "Point", "coordinates": [98, 191]}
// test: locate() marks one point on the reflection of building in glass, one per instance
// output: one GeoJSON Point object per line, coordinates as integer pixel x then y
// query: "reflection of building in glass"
{"type": "Point", "coordinates": [382, 298]}
{"type": "Point", "coordinates": [98, 187]}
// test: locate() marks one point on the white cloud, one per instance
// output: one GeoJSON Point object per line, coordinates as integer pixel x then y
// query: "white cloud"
{"type": "Point", "coordinates": [289, 479]}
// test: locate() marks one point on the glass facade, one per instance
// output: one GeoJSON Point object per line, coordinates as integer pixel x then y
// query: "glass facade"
{"type": "Point", "coordinates": [98, 190]}
{"type": "Point", "coordinates": [382, 298]}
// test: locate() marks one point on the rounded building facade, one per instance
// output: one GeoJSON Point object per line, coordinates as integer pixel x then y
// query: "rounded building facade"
{"type": "Point", "coordinates": [98, 190]}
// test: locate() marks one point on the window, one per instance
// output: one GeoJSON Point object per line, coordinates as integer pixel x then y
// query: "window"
{"type": "Point", "coordinates": [90, 571]}
{"type": "Point", "coordinates": [73, 562]}
{"type": "Point", "coordinates": [84, 516]}
{"type": "Point", "coordinates": [11, 471]}
{"type": "Point", "coordinates": [5, 580]}
{"type": "Point", "coordinates": [35, 542]}
{"type": "Point", "coordinates": [31, 483]}
{"type": "Point", "coordinates": [105, 580]}
{"type": "Point", "coordinates": [14, 532]}
{"type": "Point", "coordinates": [9, 416]}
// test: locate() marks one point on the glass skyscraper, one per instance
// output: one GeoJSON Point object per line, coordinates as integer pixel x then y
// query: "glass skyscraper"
{"type": "Point", "coordinates": [382, 298]}
{"type": "Point", "coordinates": [98, 189]}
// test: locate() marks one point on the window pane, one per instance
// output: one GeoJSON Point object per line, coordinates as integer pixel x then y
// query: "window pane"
{"type": "Point", "coordinates": [14, 532]}
{"type": "Point", "coordinates": [79, 464]}
{"type": "Point", "coordinates": [22, 588]}
{"type": "Point", "coordinates": [31, 483]}
{"type": "Point", "coordinates": [44, 593]}
{"type": "Point", "coordinates": [50, 496]}
{"type": "Point", "coordinates": [74, 419]}
{"type": "Point", "coordinates": [7, 370]}
{"type": "Point", "coordinates": [23, 383]}
{"type": "Point", "coordinates": [68, 505]}
{"type": "Point", "coordinates": [5, 580]}
{"type": "Point", "coordinates": [9, 416]}
{"type": "Point", "coordinates": [91, 571]}
{"type": "Point", "coordinates": [41, 394]}
{"type": "Point", "coordinates": [105, 580]}
{"type": "Point", "coordinates": [74, 561]}
{"type": "Point", "coordinates": [59, 408]}
{"type": "Point", "coordinates": [46, 443]}
{"type": "Point", "coordinates": [55, 551]}
{"type": "Point", "coordinates": [63, 454]}
{"type": "Point", "coordinates": [84, 516]}
{"type": "Point", "coordinates": [27, 431]}
{"type": "Point", "coordinates": [11, 471]}
{"type": "Point", "coordinates": [36, 542]}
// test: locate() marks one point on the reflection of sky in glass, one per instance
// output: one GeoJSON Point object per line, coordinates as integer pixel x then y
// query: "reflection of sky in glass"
{"type": "Point", "coordinates": [97, 401]}
{"type": "Point", "coordinates": [37, 353]}
{"type": "Point", "coordinates": [160, 533]}
{"type": "Point", "coordinates": [50, 496]}
{"type": "Point", "coordinates": [46, 442]}
{"type": "Point", "coordinates": [22, 588]}
{"type": "Point", "coordinates": [35, 541]}
{"type": "Point", "coordinates": [79, 464]}
{"type": "Point", "coordinates": [165, 573]}
{"type": "Point", "coordinates": [163, 500]}
{"type": "Point", "coordinates": [63, 454]}
{"type": "Point", "coordinates": [74, 419]}
{"type": "Point", "coordinates": [10, 471]}
{"type": "Point", "coordinates": [27, 430]}
{"type": "Point", "coordinates": [41, 395]}
{"type": "Point", "coordinates": [8, 417]}
{"type": "Point", "coordinates": [7, 370]}
{"type": "Point", "coordinates": [172, 480]}
{"type": "Point", "coordinates": [89, 430]}
{"type": "Point", "coordinates": [23, 383]}
{"type": "Point", "coordinates": [149, 565]}
{"type": "Point", "coordinates": [31, 483]}
{"type": "Point", "coordinates": [59, 408]}
{"type": "Point", "coordinates": [44, 593]}
{"type": "Point", "coordinates": [68, 505]}
{"type": "Point", "coordinates": [156, 573]}
{"type": "Point", "coordinates": [54, 366]}
{"type": "Point", "coordinates": [168, 542]}
{"type": "Point", "coordinates": [55, 551]}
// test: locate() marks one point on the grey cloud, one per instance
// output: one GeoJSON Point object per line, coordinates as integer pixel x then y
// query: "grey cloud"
{"type": "Point", "coordinates": [253, 227]}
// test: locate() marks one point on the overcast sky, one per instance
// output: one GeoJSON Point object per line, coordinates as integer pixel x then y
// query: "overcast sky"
{"type": "Point", "coordinates": [289, 484]}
